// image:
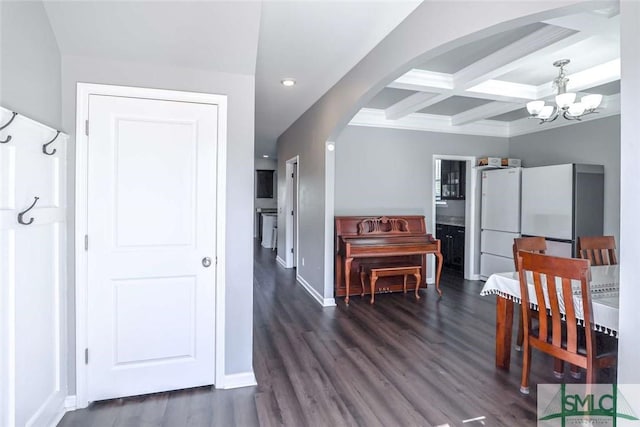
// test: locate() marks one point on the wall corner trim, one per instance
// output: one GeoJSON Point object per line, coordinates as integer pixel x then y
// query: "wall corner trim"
{"type": "Point", "coordinates": [280, 261]}
{"type": "Point", "coordinates": [242, 379]}
{"type": "Point", "coordinates": [325, 302]}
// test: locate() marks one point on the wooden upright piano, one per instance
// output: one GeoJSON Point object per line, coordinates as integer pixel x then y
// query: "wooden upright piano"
{"type": "Point", "coordinates": [385, 240]}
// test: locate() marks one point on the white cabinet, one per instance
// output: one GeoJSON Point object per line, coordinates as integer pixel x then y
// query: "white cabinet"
{"type": "Point", "coordinates": [269, 221]}
{"type": "Point", "coordinates": [32, 274]}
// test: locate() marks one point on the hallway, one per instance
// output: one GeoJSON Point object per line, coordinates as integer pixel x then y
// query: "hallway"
{"type": "Point", "coordinates": [400, 362]}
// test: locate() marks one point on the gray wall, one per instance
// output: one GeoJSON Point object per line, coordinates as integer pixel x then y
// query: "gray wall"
{"type": "Point", "coordinates": [240, 172]}
{"type": "Point", "coordinates": [390, 171]}
{"type": "Point", "coordinates": [595, 142]}
{"type": "Point", "coordinates": [433, 28]}
{"type": "Point", "coordinates": [450, 208]}
{"type": "Point", "coordinates": [29, 63]}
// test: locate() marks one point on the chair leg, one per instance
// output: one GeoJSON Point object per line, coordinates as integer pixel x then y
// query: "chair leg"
{"type": "Point", "coordinates": [558, 368]}
{"type": "Point", "coordinates": [520, 333]}
{"type": "Point", "coordinates": [590, 378]}
{"type": "Point", "coordinates": [526, 369]}
{"type": "Point", "coordinates": [362, 276]}
{"type": "Point", "coordinates": [575, 372]}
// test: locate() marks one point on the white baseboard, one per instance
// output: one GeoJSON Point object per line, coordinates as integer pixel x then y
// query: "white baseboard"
{"type": "Point", "coordinates": [70, 403]}
{"type": "Point", "coordinates": [281, 261]}
{"type": "Point", "coordinates": [325, 302]}
{"type": "Point", "coordinates": [475, 277]}
{"type": "Point", "coordinates": [243, 379]}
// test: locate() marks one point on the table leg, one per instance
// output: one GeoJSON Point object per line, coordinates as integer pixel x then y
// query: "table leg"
{"type": "Point", "coordinates": [504, 327]}
{"type": "Point", "coordinates": [440, 260]}
{"type": "Point", "coordinates": [347, 277]}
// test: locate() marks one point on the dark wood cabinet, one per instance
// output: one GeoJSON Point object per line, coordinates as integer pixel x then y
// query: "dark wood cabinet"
{"type": "Point", "coordinates": [452, 179]}
{"type": "Point", "coordinates": [452, 238]}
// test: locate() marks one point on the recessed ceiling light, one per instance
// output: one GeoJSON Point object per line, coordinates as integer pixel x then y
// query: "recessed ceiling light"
{"type": "Point", "coordinates": [288, 82]}
{"type": "Point", "coordinates": [266, 156]}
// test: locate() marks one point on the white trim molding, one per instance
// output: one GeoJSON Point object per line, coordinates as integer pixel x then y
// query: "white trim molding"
{"type": "Point", "coordinates": [280, 261]}
{"type": "Point", "coordinates": [84, 90]}
{"type": "Point", "coordinates": [325, 302]}
{"type": "Point", "coordinates": [242, 379]}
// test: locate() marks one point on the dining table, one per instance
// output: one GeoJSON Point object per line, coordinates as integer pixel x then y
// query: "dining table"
{"type": "Point", "coordinates": [605, 299]}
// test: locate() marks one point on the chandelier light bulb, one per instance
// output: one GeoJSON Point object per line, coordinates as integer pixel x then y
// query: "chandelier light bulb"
{"type": "Point", "coordinates": [546, 112]}
{"type": "Point", "coordinates": [576, 109]}
{"type": "Point", "coordinates": [564, 100]}
{"type": "Point", "coordinates": [534, 107]}
{"type": "Point", "coordinates": [591, 102]}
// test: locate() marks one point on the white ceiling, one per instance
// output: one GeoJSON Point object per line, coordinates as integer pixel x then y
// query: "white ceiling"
{"type": "Point", "coordinates": [482, 88]}
{"type": "Point", "coordinates": [215, 35]}
{"type": "Point", "coordinates": [315, 42]}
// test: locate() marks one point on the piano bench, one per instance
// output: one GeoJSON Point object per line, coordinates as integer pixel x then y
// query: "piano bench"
{"type": "Point", "coordinates": [376, 272]}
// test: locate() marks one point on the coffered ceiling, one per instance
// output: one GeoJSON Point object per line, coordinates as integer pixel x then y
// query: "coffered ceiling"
{"type": "Point", "coordinates": [482, 88]}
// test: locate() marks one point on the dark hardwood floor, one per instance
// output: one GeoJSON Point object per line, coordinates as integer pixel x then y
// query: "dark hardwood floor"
{"type": "Point", "coordinates": [400, 362]}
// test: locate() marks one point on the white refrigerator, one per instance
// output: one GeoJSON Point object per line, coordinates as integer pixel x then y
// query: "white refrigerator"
{"type": "Point", "coordinates": [562, 203]}
{"type": "Point", "coordinates": [500, 219]}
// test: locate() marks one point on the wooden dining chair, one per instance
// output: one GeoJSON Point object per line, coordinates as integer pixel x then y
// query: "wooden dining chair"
{"type": "Point", "coordinates": [552, 279]}
{"type": "Point", "coordinates": [600, 250]}
{"type": "Point", "coordinates": [530, 244]}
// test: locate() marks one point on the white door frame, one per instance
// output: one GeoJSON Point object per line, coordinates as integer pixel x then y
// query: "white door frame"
{"type": "Point", "coordinates": [81, 219]}
{"type": "Point", "coordinates": [471, 223]}
{"type": "Point", "coordinates": [288, 221]}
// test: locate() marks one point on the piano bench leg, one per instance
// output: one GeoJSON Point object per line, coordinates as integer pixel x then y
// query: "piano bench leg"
{"type": "Point", "coordinates": [374, 279]}
{"type": "Point", "coordinates": [418, 280]}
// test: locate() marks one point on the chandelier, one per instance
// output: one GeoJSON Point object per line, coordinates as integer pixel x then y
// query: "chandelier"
{"type": "Point", "coordinates": [565, 101]}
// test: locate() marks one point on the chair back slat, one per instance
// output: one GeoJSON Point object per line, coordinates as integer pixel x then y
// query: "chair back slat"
{"type": "Point", "coordinates": [543, 327]}
{"type": "Point", "coordinates": [554, 310]}
{"type": "Point", "coordinates": [570, 316]}
{"type": "Point", "coordinates": [600, 250]}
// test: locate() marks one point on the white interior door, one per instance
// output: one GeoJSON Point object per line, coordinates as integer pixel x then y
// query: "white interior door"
{"type": "Point", "coordinates": [151, 245]}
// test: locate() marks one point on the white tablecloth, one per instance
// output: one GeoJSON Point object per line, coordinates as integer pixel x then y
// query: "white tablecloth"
{"type": "Point", "coordinates": [605, 295]}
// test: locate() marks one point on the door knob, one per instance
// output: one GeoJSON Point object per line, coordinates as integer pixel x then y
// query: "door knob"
{"type": "Point", "coordinates": [206, 261]}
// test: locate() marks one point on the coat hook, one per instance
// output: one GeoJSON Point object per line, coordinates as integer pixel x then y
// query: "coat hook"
{"type": "Point", "coordinates": [13, 116]}
{"type": "Point", "coordinates": [44, 147]}
{"type": "Point", "coordinates": [21, 214]}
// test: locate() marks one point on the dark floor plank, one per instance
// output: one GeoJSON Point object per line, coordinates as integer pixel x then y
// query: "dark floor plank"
{"type": "Point", "coordinates": [400, 362]}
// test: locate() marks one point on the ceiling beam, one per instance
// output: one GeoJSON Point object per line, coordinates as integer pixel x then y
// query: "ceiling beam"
{"type": "Point", "coordinates": [484, 112]}
{"type": "Point", "coordinates": [509, 57]}
{"type": "Point", "coordinates": [413, 103]}
{"type": "Point", "coordinates": [423, 81]}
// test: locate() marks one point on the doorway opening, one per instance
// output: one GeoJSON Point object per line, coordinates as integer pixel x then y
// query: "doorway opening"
{"type": "Point", "coordinates": [291, 212]}
{"type": "Point", "coordinates": [454, 212]}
